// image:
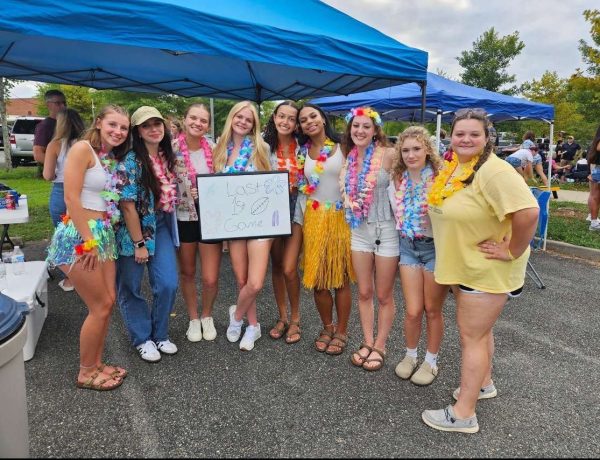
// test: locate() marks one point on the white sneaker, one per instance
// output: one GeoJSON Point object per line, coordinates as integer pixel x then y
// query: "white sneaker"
{"type": "Point", "coordinates": [167, 347]}
{"type": "Point", "coordinates": [235, 327]}
{"type": "Point", "coordinates": [589, 217]}
{"type": "Point", "coordinates": [595, 225]}
{"type": "Point", "coordinates": [194, 332]}
{"type": "Point", "coordinates": [251, 335]}
{"type": "Point", "coordinates": [148, 351]}
{"type": "Point", "coordinates": [208, 328]}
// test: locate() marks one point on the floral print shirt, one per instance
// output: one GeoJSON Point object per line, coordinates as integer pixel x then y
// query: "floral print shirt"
{"type": "Point", "coordinates": [129, 173]}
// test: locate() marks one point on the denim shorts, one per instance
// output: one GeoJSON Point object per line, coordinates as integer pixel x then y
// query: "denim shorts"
{"type": "Point", "coordinates": [418, 252]}
{"type": "Point", "coordinates": [365, 237]}
{"type": "Point", "coordinates": [514, 162]}
{"type": "Point", "coordinates": [537, 159]}
{"type": "Point", "coordinates": [596, 174]}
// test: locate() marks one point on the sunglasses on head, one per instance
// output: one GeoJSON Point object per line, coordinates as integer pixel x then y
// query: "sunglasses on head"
{"type": "Point", "coordinates": [467, 111]}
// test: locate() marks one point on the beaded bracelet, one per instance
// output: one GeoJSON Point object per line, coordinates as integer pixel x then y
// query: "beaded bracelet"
{"type": "Point", "coordinates": [87, 246]}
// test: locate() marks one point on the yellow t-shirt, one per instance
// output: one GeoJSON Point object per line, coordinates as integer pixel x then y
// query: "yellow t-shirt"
{"type": "Point", "coordinates": [476, 213]}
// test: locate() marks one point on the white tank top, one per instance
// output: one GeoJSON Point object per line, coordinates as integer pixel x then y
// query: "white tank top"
{"type": "Point", "coordinates": [329, 180]}
{"type": "Point", "coordinates": [94, 182]}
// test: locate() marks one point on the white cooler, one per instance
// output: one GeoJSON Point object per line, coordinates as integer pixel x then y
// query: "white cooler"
{"type": "Point", "coordinates": [30, 287]}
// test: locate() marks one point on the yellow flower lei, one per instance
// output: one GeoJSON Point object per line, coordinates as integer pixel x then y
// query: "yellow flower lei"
{"type": "Point", "coordinates": [440, 190]}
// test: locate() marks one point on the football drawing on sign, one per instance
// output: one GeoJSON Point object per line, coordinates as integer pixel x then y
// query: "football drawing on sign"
{"type": "Point", "coordinates": [259, 206]}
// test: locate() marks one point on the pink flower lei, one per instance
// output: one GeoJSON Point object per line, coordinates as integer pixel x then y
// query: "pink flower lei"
{"type": "Point", "coordinates": [168, 190]}
{"type": "Point", "coordinates": [185, 152]}
{"type": "Point", "coordinates": [411, 204]}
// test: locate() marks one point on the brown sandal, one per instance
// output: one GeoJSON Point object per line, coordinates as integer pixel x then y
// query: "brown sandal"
{"type": "Point", "coordinates": [379, 361]}
{"type": "Point", "coordinates": [340, 341]}
{"type": "Point", "coordinates": [325, 337]}
{"type": "Point", "coordinates": [277, 332]}
{"type": "Point", "coordinates": [118, 372]}
{"type": "Point", "coordinates": [360, 361]}
{"type": "Point", "coordinates": [297, 335]}
{"type": "Point", "coordinates": [91, 384]}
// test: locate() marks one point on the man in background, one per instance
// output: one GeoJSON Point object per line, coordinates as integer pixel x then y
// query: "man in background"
{"type": "Point", "coordinates": [44, 131]}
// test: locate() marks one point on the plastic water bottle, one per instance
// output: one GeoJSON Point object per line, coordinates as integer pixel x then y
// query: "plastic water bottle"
{"type": "Point", "coordinates": [18, 261]}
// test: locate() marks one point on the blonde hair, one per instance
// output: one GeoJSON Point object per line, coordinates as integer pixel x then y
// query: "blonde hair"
{"type": "Point", "coordinates": [92, 135]}
{"type": "Point", "coordinates": [260, 156]}
{"type": "Point", "coordinates": [421, 135]}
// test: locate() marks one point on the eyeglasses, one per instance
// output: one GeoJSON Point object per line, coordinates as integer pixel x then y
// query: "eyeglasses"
{"type": "Point", "coordinates": [467, 111]}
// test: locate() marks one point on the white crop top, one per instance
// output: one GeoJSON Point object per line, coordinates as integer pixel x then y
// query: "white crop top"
{"type": "Point", "coordinates": [329, 180]}
{"type": "Point", "coordinates": [94, 182]}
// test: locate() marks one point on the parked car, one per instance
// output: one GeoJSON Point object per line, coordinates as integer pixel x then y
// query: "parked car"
{"type": "Point", "coordinates": [21, 140]}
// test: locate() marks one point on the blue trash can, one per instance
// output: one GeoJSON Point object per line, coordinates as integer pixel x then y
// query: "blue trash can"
{"type": "Point", "coordinates": [14, 427]}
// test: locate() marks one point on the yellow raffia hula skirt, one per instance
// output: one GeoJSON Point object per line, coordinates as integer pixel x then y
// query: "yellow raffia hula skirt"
{"type": "Point", "coordinates": [327, 255]}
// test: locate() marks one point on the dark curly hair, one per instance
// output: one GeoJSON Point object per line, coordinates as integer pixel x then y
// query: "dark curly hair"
{"type": "Point", "coordinates": [329, 131]}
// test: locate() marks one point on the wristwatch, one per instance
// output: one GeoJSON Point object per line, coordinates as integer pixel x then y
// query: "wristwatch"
{"type": "Point", "coordinates": [139, 244]}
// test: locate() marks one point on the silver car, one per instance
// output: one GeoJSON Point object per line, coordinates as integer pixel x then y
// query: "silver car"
{"type": "Point", "coordinates": [21, 140]}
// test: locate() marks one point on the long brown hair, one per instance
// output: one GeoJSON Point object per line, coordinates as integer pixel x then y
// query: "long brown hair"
{"type": "Point", "coordinates": [421, 135]}
{"type": "Point", "coordinates": [479, 115]}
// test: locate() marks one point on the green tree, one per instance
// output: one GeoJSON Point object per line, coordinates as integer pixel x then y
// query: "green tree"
{"type": "Point", "coordinates": [591, 53]}
{"type": "Point", "coordinates": [485, 65]}
{"type": "Point", "coordinates": [5, 86]}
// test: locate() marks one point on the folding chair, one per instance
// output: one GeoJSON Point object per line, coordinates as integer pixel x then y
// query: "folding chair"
{"type": "Point", "coordinates": [543, 199]}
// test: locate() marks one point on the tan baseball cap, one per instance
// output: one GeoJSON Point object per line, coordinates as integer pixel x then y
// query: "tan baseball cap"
{"type": "Point", "coordinates": [143, 114]}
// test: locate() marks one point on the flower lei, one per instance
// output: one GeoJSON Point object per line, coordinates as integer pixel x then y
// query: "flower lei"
{"type": "Point", "coordinates": [110, 193]}
{"type": "Point", "coordinates": [440, 190]}
{"type": "Point", "coordinates": [364, 112]}
{"type": "Point", "coordinates": [308, 185]}
{"type": "Point", "coordinates": [288, 164]}
{"type": "Point", "coordinates": [185, 152]}
{"type": "Point", "coordinates": [241, 162]}
{"type": "Point", "coordinates": [86, 246]}
{"type": "Point", "coordinates": [411, 204]}
{"type": "Point", "coordinates": [168, 192]}
{"type": "Point", "coordinates": [359, 188]}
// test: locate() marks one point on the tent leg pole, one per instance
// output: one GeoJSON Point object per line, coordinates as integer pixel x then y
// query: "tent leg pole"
{"type": "Point", "coordinates": [423, 85]}
{"type": "Point", "coordinates": [550, 155]}
{"type": "Point", "coordinates": [438, 128]}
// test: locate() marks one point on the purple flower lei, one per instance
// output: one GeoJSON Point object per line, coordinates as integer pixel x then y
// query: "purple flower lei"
{"type": "Point", "coordinates": [241, 162]}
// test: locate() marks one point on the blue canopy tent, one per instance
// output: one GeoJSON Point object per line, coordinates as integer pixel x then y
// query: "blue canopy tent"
{"type": "Point", "coordinates": [443, 98]}
{"type": "Point", "coordinates": [236, 49]}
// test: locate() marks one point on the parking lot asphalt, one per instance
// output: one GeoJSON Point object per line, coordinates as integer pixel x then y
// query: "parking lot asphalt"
{"type": "Point", "coordinates": [279, 400]}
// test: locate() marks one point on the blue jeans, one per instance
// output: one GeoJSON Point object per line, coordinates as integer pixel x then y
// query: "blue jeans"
{"type": "Point", "coordinates": [146, 322]}
{"type": "Point", "coordinates": [57, 206]}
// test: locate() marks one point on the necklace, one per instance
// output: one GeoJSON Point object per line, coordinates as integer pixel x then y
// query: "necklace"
{"type": "Point", "coordinates": [288, 164]}
{"type": "Point", "coordinates": [411, 204]}
{"type": "Point", "coordinates": [440, 190]}
{"type": "Point", "coordinates": [308, 185]}
{"type": "Point", "coordinates": [241, 162]}
{"type": "Point", "coordinates": [168, 193]}
{"type": "Point", "coordinates": [185, 152]}
{"type": "Point", "coordinates": [359, 188]}
{"type": "Point", "coordinates": [110, 194]}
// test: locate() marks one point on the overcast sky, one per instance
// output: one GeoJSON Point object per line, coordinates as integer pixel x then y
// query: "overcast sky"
{"type": "Point", "coordinates": [550, 29]}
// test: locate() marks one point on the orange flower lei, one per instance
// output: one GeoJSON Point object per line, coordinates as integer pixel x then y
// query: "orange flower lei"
{"type": "Point", "coordinates": [288, 164]}
{"type": "Point", "coordinates": [440, 190]}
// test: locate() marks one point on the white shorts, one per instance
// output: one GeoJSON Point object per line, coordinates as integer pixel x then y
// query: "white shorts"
{"type": "Point", "coordinates": [365, 238]}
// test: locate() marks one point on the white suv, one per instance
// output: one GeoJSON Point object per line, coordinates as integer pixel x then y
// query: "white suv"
{"type": "Point", "coordinates": [21, 140]}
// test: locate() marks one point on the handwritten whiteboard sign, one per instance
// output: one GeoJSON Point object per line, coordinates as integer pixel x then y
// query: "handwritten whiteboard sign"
{"type": "Point", "coordinates": [244, 205]}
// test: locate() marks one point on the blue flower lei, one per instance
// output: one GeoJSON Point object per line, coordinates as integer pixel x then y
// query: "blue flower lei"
{"type": "Point", "coordinates": [241, 162]}
{"type": "Point", "coordinates": [357, 187]}
{"type": "Point", "coordinates": [411, 204]}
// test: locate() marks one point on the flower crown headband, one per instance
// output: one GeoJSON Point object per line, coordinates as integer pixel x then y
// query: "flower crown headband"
{"type": "Point", "coordinates": [364, 112]}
